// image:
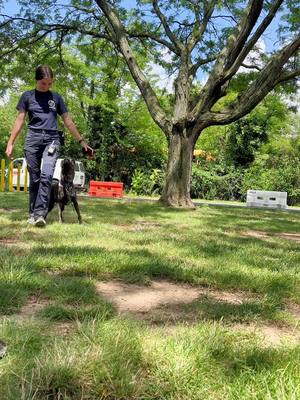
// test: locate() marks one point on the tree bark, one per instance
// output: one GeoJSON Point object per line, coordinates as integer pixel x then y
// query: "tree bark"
{"type": "Point", "coordinates": [176, 191]}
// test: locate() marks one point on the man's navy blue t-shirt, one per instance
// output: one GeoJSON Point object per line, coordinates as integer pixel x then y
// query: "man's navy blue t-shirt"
{"type": "Point", "coordinates": [42, 108]}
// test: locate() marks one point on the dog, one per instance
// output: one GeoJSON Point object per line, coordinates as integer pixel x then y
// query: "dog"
{"type": "Point", "coordinates": [63, 191]}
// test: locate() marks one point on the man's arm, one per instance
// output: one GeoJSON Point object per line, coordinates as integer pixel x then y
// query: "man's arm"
{"type": "Point", "coordinates": [16, 129]}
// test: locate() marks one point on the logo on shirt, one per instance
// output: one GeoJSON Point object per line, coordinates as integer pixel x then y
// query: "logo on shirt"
{"type": "Point", "coordinates": [51, 104]}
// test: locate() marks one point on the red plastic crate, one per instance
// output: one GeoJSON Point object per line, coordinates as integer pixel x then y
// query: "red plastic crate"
{"type": "Point", "coordinates": [106, 189]}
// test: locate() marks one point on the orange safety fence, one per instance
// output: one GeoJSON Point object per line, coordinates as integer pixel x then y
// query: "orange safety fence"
{"type": "Point", "coordinates": [13, 179]}
{"type": "Point", "coordinates": [106, 189]}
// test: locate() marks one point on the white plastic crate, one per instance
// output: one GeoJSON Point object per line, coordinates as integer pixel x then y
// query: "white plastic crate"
{"type": "Point", "coordinates": [268, 199]}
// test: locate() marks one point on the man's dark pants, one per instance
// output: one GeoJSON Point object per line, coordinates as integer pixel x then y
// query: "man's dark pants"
{"type": "Point", "coordinates": [36, 150]}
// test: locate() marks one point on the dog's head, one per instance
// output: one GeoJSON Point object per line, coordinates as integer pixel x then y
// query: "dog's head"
{"type": "Point", "coordinates": [67, 170]}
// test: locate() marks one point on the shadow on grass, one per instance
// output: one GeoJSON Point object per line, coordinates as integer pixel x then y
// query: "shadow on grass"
{"type": "Point", "coordinates": [134, 265]}
{"type": "Point", "coordinates": [107, 211]}
{"type": "Point", "coordinates": [63, 274]}
{"type": "Point", "coordinates": [207, 308]}
{"type": "Point", "coordinates": [236, 362]}
{"type": "Point", "coordinates": [12, 297]}
{"type": "Point", "coordinates": [100, 312]}
{"type": "Point", "coordinates": [252, 219]}
{"type": "Point", "coordinates": [93, 210]}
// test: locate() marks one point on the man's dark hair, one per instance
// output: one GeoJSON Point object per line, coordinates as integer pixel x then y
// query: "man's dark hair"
{"type": "Point", "coordinates": [43, 71]}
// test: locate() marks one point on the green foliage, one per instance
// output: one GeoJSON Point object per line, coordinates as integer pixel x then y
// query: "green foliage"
{"type": "Point", "coordinates": [8, 114]}
{"type": "Point", "coordinates": [212, 180]}
{"type": "Point", "coordinates": [147, 183]}
{"type": "Point", "coordinates": [121, 147]}
{"type": "Point", "coordinates": [260, 151]}
{"type": "Point", "coordinates": [243, 139]}
{"type": "Point", "coordinates": [279, 173]}
{"type": "Point", "coordinates": [120, 128]}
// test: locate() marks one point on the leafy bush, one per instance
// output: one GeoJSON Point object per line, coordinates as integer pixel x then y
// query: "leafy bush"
{"type": "Point", "coordinates": [145, 183]}
{"type": "Point", "coordinates": [216, 181]}
{"type": "Point", "coordinates": [281, 173]}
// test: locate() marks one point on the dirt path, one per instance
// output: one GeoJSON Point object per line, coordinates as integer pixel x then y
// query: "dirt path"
{"type": "Point", "coordinates": [146, 298]}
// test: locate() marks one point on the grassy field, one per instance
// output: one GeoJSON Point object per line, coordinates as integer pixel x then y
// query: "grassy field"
{"type": "Point", "coordinates": [67, 341]}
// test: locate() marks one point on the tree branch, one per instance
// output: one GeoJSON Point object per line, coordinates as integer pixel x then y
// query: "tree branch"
{"type": "Point", "coordinates": [120, 39]}
{"type": "Point", "coordinates": [287, 75]}
{"type": "Point", "coordinates": [267, 79]}
{"type": "Point", "coordinates": [199, 30]}
{"type": "Point", "coordinates": [216, 85]}
{"type": "Point", "coordinates": [177, 44]}
{"type": "Point", "coordinates": [155, 38]}
{"type": "Point", "coordinates": [257, 34]}
{"type": "Point", "coordinates": [32, 39]}
{"type": "Point", "coordinates": [202, 61]}
{"type": "Point", "coordinates": [242, 31]}
{"type": "Point", "coordinates": [42, 30]}
{"type": "Point", "coordinates": [251, 66]}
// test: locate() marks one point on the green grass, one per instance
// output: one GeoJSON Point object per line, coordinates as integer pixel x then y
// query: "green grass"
{"type": "Point", "coordinates": [79, 347]}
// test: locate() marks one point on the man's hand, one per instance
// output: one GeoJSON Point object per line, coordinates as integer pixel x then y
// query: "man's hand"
{"type": "Point", "coordinates": [9, 150]}
{"type": "Point", "coordinates": [87, 150]}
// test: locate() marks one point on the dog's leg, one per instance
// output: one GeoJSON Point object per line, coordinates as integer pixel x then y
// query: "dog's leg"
{"type": "Point", "coordinates": [74, 201]}
{"type": "Point", "coordinates": [60, 191]}
{"type": "Point", "coordinates": [60, 207]}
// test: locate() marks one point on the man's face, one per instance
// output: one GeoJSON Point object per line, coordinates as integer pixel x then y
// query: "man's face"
{"type": "Point", "coordinates": [43, 85]}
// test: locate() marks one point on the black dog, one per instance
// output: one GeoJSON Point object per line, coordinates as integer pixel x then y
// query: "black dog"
{"type": "Point", "coordinates": [63, 191]}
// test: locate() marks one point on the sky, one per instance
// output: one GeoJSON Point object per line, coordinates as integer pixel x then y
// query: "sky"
{"type": "Point", "coordinates": [11, 7]}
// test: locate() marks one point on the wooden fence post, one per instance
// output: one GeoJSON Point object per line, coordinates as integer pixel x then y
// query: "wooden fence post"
{"type": "Point", "coordinates": [10, 177]}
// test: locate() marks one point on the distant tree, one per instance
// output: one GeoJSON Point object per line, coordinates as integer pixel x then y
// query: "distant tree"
{"type": "Point", "coordinates": [244, 138]}
{"type": "Point", "coordinates": [213, 36]}
{"type": "Point", "coordinates": [7, 115]}
{"type": "Point", "coordinates": [120, 128]}
{"type": "Point", "coordinates": [120, 148]}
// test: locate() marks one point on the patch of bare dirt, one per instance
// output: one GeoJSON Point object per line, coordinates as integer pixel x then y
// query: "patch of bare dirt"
{"type": "Point", "coordinates": [8, 241]}
{"type": "Point", "coordinates": [63, 328]}
{"type": "Point", "coordinates": [265, 235]}
{"type": "Point", "coordinates": [163, 302]}
{"type": "Point", "coordinates": [137, 298]}
{"type": "Point", "coordinates": [294, 309]}
{"type": "Point", "coordinates": [271, 334]}
{"type": "Point", "coordinates": [140, 225]}
{"type": "Point", "coordinates": [33, 306]}
{"type": "Point", "coordinates": [290, 236]}
{"type": "Point", "coordinates": [140, 298]}
{"type": "Point", "coordinates": [255, 234]}
{"type": "Point", "coordinates": [14, 242]}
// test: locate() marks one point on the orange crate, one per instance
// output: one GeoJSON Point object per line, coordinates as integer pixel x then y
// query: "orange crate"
{"type": "Point", "coordinates": [106, 189]}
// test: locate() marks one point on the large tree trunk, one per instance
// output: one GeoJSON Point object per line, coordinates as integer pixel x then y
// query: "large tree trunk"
{"type": "Point", "coordinates": [176, 192]}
